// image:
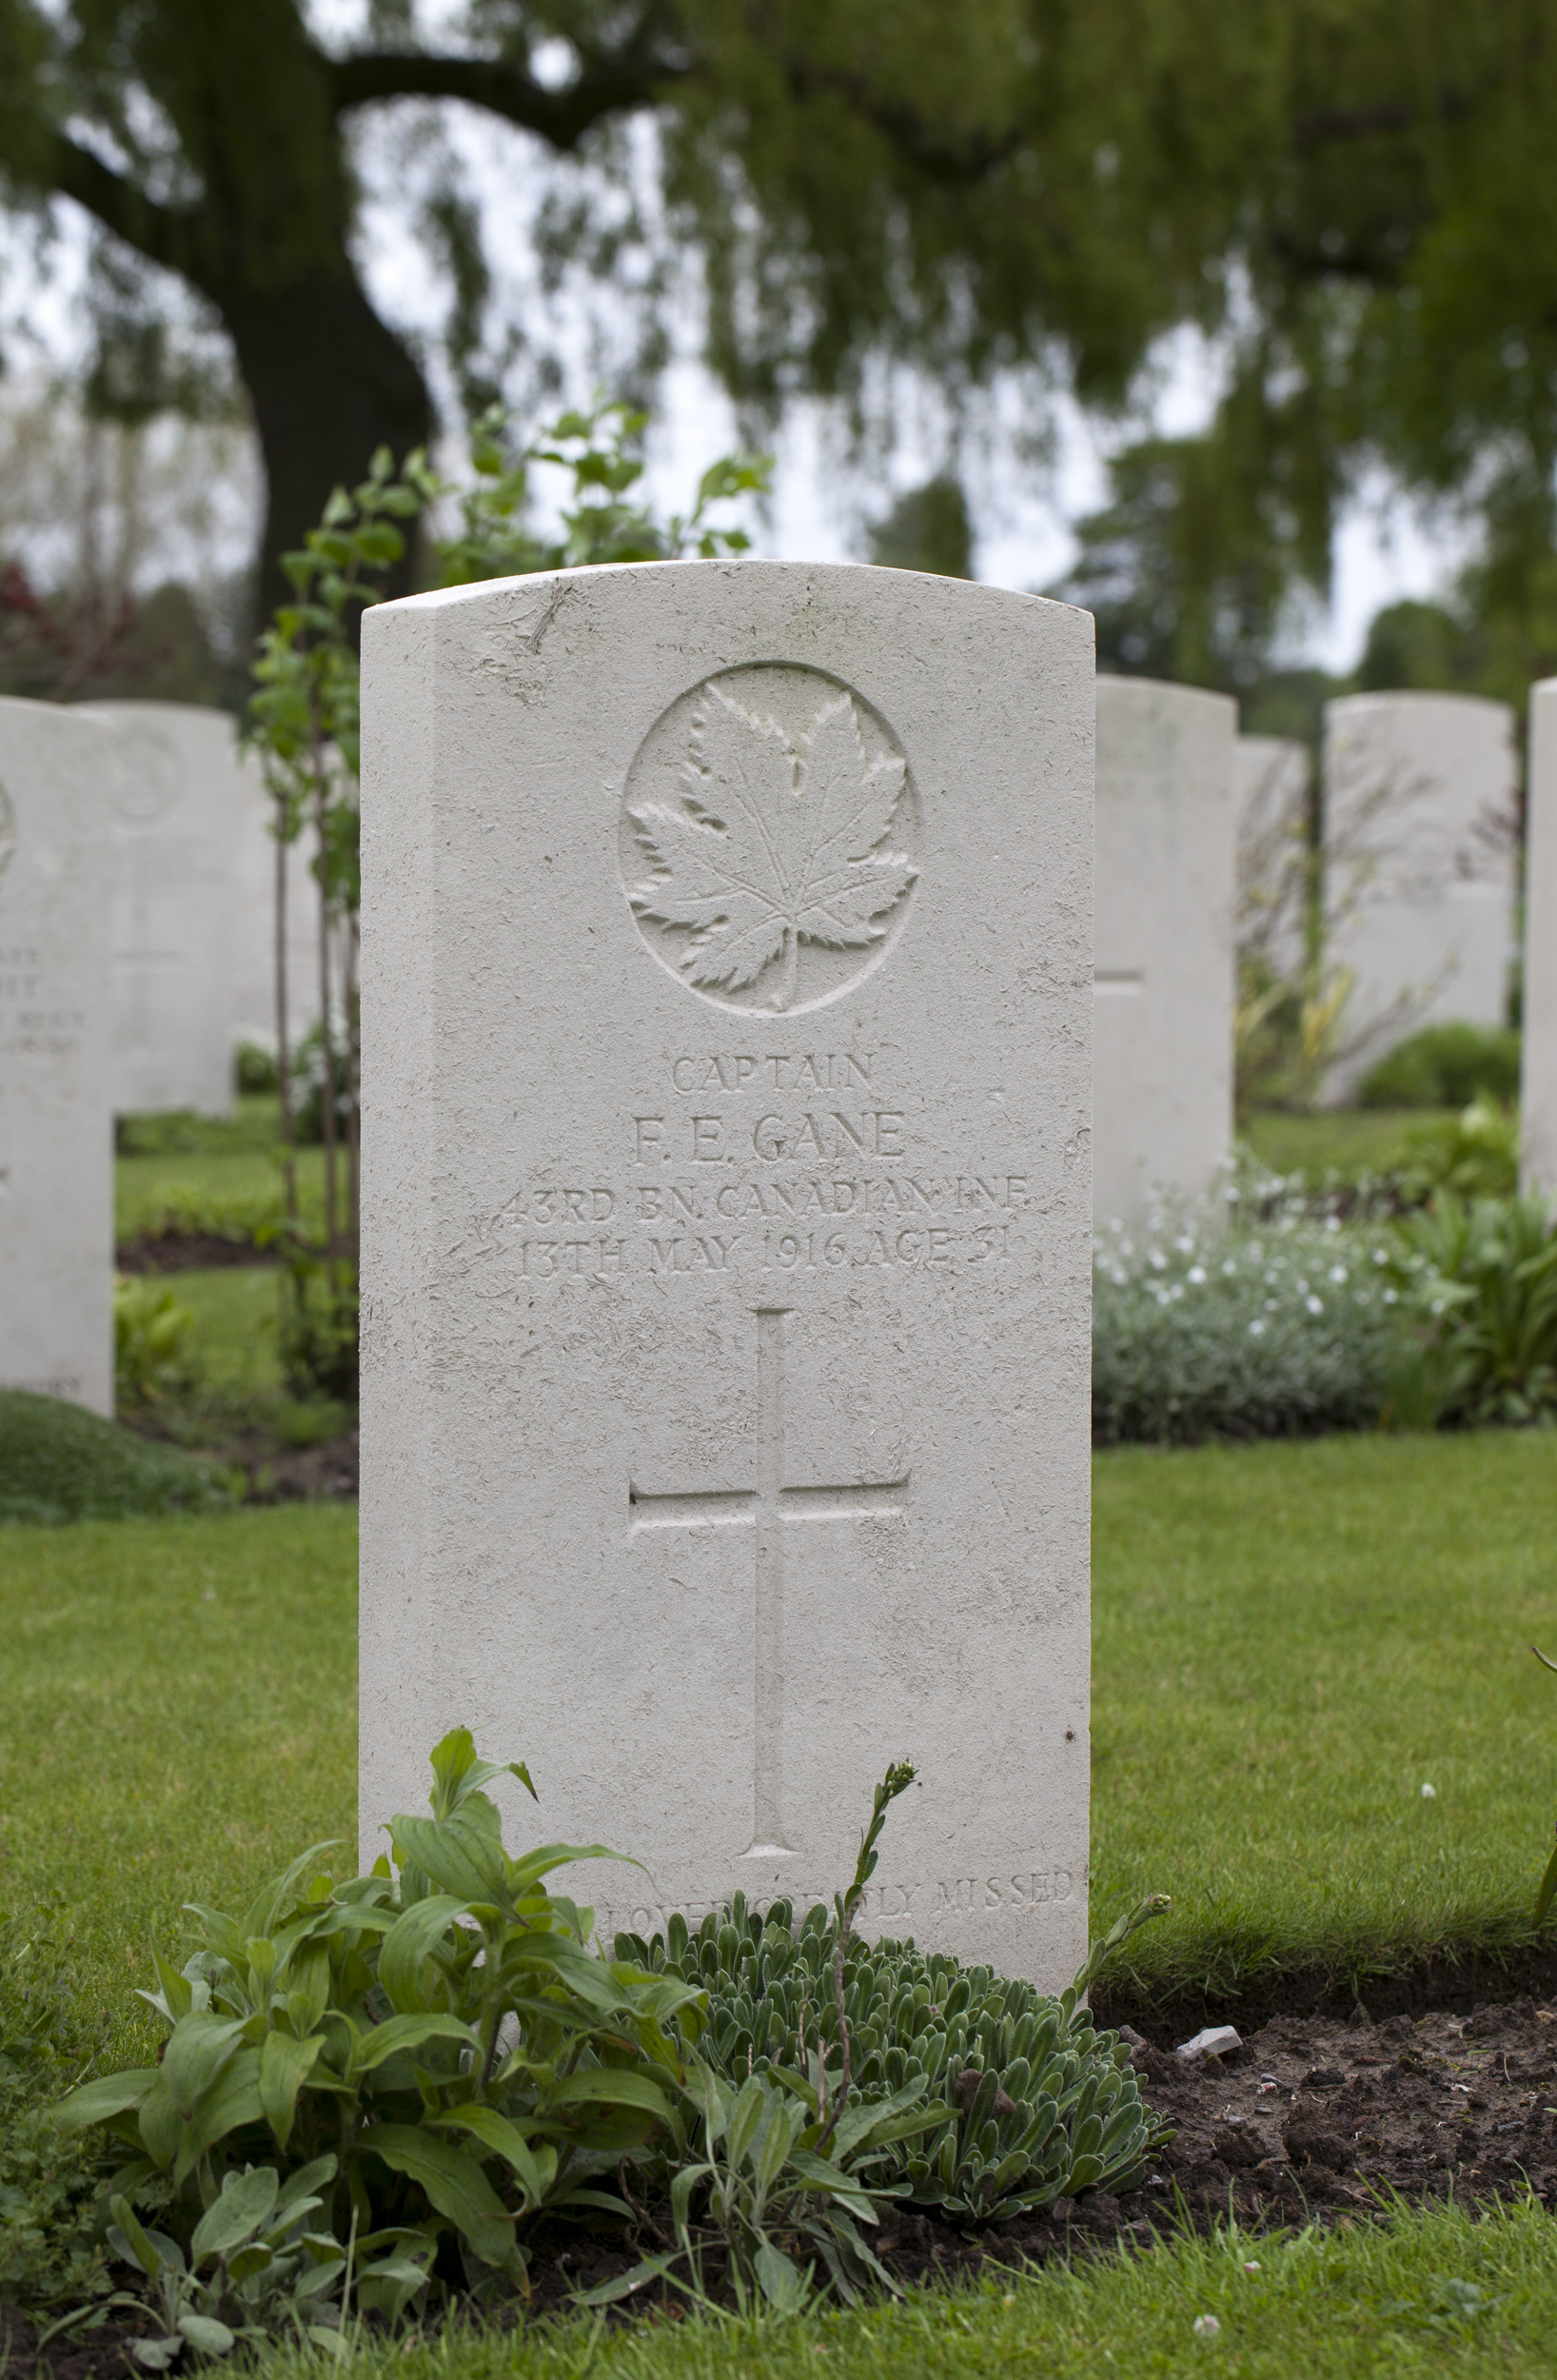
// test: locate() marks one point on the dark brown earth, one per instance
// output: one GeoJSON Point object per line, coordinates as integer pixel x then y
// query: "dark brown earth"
{"type": "Point", "coordinates": [1311, 2120]}
{"type": "Point", "coordinates": [185, 1252]}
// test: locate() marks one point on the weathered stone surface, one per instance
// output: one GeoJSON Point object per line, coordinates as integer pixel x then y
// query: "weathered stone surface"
{"type": "Point", "coordinates": [1272, 780]}
{"type": "Point", "coordinates": [1538, 1060]}
{"type": "Point", "coordinates": [726, 948]}
{"type": "Point", "coordinates": [177, 803]}
{"type": "Point", "coordinates": [1164, 961]}
{"type": "Point", "coordinates": [56, 1117]}
{"type": "Point", "coordinates": [1419, 866]}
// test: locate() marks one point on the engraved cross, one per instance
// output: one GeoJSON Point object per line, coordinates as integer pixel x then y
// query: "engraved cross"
{"type": "Point", "coordinates": [770, 1507]}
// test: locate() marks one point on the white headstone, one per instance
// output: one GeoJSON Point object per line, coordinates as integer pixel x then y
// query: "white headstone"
{"type": "Point", "coordinates": [56, 1115]}
{"type": "Point", "coordinates": [1419, 838]}
{"type": "Point", "coordinates": [726, 946]}
{"type": "Point", "coordinates": [254, 928]}
{"type": "Point", "coordinates": [1271, 919]}
{"type": "Point", "coordinates": [1538, 1071]}
{"type": "Point", "coordinates": [179, 804]}
{"type": "Point", "coordinates": [1164, 974]}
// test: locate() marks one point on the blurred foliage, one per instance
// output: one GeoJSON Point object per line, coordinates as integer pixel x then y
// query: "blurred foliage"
{"type": "Point", "coordinates": [928, 528]}
{"type": "Point", "coordinates": [1472, 1154]}
{"type": "Point", "coordinates": [1444, 1065]}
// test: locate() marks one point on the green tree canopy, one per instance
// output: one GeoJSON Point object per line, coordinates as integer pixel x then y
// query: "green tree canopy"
{"type": "Point", "coordinates": [1005, 183]}
{"type": "Point", "coordinates": [1355, 196]}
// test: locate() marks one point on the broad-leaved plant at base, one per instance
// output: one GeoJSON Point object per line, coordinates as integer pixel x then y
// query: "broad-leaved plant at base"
{"type": "Point", "coordinates": [1479, 1279]}
{"type": "Point", "coordinates": [441, 2030]}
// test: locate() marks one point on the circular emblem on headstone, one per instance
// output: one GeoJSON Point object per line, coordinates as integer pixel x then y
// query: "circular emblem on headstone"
{"type": "Point", "coordinates": [770, 837]}
{"type": "Point", "coordinates": [8, 831]}
{"type": "Point", "coordinates": [148, 781]}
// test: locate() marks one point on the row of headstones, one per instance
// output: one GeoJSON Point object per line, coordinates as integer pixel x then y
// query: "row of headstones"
{"type": "Point", "coordinates": [1202, 832]}
{"type": "Point", "coordinates": [137, 908]}
{"type": "Point", "coordinates": [728, 1006]}
{"type": "Point", "coordinates": [728, 991]}
{"type": "Point", "coordinates": [160, 902]}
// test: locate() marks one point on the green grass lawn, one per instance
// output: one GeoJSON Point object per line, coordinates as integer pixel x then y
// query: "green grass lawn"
{"type": "Point", "coordinates": [177, 1719]}
{"type": "Point", "coordinates": [1289, 1640]}
{"type": "Point", "coordinates": [222, 1163]}
{"type": "Point", "coordinates": [1344, 1140]}
{"type": "Point", "coordinates": [1427, 2295]}
{"type": "Point", "coordinates": [1289, 1643]}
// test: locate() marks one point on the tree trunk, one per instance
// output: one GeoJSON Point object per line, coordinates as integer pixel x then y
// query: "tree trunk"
{"type": "Point", "coordinates": [329, 383]}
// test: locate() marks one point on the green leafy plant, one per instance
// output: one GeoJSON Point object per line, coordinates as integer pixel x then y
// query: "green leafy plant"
{"type": "Point", "coordinates": [445, 2032]}
{"type": "Point", "coordinates": [1478, 1278]}
{"type": "Point", "coordinates": [253, 2269]}
{"type": "Point", "coordinates": [777, 2170]}
{"type": "Point", "coordinates": [151, 1333]}
{"type": "Point", "coordinates": [1474, 1153]}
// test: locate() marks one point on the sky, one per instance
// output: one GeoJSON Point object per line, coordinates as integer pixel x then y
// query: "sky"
{"type": "Point", "coordinates": [822, 499]}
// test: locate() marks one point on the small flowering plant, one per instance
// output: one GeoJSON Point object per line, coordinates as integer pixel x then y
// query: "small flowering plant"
{"type": "Point", "coordinates": [1253, 1315]}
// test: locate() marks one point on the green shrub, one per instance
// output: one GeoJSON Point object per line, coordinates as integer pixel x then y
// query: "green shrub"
{"type": "Point", "coordinates": [59, 1463]}
{"type": "Point", "coordinates": [1273, 1329]}
{"type": "Point", "coordinates": [1444, 1065]}
{"type": "Point", "coordinates": [150, 1342]}
{"type": "Point", "coordinates": [1479, 1279]}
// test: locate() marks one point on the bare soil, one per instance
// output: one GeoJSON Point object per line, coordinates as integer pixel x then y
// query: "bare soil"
{"type": "Point", "coordinates": [186, 1252]}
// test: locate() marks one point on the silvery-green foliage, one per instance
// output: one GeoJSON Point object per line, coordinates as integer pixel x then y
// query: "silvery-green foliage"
{"type": "Point", "coordinates": [1264, 1320]}
{"type": "Point", "coordinates": [1031, 2104]}
{"type": "Point", "coordinates": [259, 2264]}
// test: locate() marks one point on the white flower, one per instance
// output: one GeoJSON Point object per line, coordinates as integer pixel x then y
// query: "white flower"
{"type": "Point", "coordinates": [1205, 2325]}
{"type": "Point", "coordinates": [1315, 1305]}
{"type": "Point", "coordinates": [1157, 1261]}
{"type": "Point", "coordinates": [1197, 1274]}
{"type": "Point", "coordinates": [1301, 1287]}
{"type": "Point", "coordinates": [1430, 1792]}
{"type": "Point", "coordinates": [1229, 1266]}
{"type": "Point", "coordinates": [1185, 1246]}
{"type": "Point", "coordinates": [1251, 2263]}
{"type": "Point", "coordinates": [1256, 1329]}
{"type": "Point", "coordinates": [1392, 1296]}
{"type": "Point", "coordinates": [1338, 1273]}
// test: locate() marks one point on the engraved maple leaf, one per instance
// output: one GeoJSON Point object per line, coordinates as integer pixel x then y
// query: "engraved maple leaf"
{"type": "Point", "coordinates": [772, 843]}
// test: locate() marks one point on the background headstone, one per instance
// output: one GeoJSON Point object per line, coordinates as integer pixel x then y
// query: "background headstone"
{"type": "Point", "coordinates": [1538, 1066]}
{"type": "Point", "coordinates": [1419, 838]}
{"type": "Point", "coordinates": [1164, 978]}
{"type": "Point", "coordinates": [726, 951]}
{"type": "Point", "coordinates": [1270, 921]}
{"type": "Point", "coordinates": [56, 1115]}
{"type": "Point", "coordinates": [254, 924]}
{"type": "Point", "coordinates": [178, 798]}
